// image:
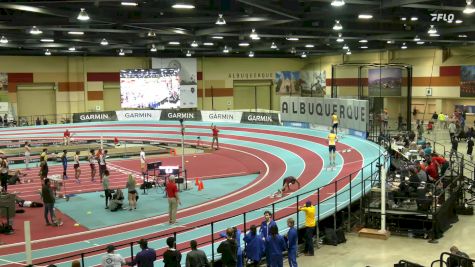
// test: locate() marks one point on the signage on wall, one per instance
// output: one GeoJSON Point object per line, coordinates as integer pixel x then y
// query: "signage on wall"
{"type": "Point", "coordinates": [251, 75]}
{"type": "Point", "coordinates": [221, 116]}
{"type": "Point", "coordinates": [138, 115]}
{"type": "Point", "coordinates": [260, 118]}
{"type": "Point", "coordinates": [95, 116]}
{"type": "Point", "coordinates": [447, 17]}
{"type": "Point", "coordinates": [172, 115]}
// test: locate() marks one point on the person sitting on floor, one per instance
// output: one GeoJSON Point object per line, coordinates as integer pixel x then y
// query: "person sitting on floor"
{"type": "Point", "coordinates": [117, 200]}
{"type": "Point", "coordinates": [14, 176]}
{"type": "Point", "coordinates": [458, 261]}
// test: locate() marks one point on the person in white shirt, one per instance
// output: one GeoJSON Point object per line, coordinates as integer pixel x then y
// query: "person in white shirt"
{"type": "Point", "coordinates": [27, 154]}
{"type": "Point", "coordinates": [77, 168]}
{"type": "Point", "coordinates": [112, 259]}
{"type": "Point", "coordinates": [143, 162]}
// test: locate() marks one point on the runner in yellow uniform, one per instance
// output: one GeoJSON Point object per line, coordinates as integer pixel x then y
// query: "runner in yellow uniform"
{"type": "Point", "coordinates": [334, 122]}
{"type": "Point", "coordinates": [332, 138]}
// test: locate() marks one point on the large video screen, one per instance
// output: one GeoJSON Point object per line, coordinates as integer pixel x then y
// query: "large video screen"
{"type": "Point", "coordinates": [152, 88]}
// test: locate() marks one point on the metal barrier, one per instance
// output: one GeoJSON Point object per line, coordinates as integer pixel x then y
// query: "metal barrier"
{"type": "Point", "coordinates": [449, 259]}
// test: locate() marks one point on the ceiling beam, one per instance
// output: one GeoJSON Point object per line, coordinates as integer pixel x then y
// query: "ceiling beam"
{"type": "Point", "coordinates": [399, 3]}
{"type": "Point", "coordinates": [268, 9]}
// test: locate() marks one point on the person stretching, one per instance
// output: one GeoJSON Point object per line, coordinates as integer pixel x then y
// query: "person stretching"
{"type": "Point", "coordinates": [288, 181]}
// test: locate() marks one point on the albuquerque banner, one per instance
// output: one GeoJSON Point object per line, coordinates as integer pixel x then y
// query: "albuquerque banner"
{"type": "Point", "coordinates": [352, 114]}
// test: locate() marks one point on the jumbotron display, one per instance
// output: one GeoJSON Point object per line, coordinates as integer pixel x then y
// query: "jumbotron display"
{"type": "Point", "coordinates": [152, 88]}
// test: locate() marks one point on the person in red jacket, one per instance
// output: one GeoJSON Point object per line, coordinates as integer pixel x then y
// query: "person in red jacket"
{"type": "Point", "coordinates": [440, 162]}
{"type": "Point", "coordinates": [67, 137]}
{"type": "Point", "coordinates": [432, 171]}
{"type": "Point", "coordinates": [215, 136]}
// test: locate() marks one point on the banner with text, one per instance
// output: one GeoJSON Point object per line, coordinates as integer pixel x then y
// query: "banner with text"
{"type": "Point", "coordinates": [138, 115]}
{"type": "Point", "coordinates": [95, 116]}
{"type": "Point", "coordinates": [221, 116]}
{"type": "Point", "coordinates": [352, 114]}
{"type": "Point", "coordinates": [172, 115]}
{"type": "Point", "coordinates": [260, 118]}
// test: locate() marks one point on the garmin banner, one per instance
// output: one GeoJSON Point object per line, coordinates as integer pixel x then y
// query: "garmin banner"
{"type": "Point", "coordinates": [352, 114]}
{"type": "Point", "coordinates": [221, 116]}
{"type": "Point", "coordinates": [138, 115]}
{"type": "Point", "coordinates": [94, 116]}
{"type": "Point", "coordinates": [260, 118]}
{"type": "Point", "coordinates": [171, 115]}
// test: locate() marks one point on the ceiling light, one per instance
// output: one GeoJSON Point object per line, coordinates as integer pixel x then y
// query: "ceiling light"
{"type": "Point", "coordinates": [363, 47]}
{"type": "Point", "coordinates": [469, 8]}
{"type": "Point", "coordinates": [183, 6]}
{"type": "Point", "coordinates": [403, 18]}
{"type": "Point", "coordinates": [348, 52]}
{"type": "Point", "coordinates": [346, 47]}
{"type": "Point", "coordinates": [217, 37]}
{"type": "Point", "coordinates": [365, 16]}
{"type": "Point", "coordinates": [309, 46]}
{"type": "Point", "coordinates": [72, 48]}
{"type": "Point", "coordinates": [83, 15]}
{"type": "Point", "coordinates": [434, 35]}
{"type": "Point", "coordinates": [403, 46]}
{"type": "Point", "coordinates": [414, 18]}
{"type": "Point", "coordinates": [251, 54]}
{"type": "Point", "coordinates": [340, 38]}
{"type": "Point", "coordinates": [273, 46]}
{"type": "Point", "coordinates": [363, 41]}
{"type": "Point", "coordinates": [254, 35]}
{"type": "Point", "coordinates": [194, 44]}
{"type": "Point", "coordinates": [417, 38]}
{"type": "Point", "coordinates": [47, 52]}
{"type": "Point", "coordinates": [47, 40]}
{"type": "Point", "coordinates": [208, 44]}
{"type": "Point", "coordinates": [151, 34]}
{"type": "Point", "coordinates": [35, 30]}
{"type": "Point", "coordinates": [293, 51]}
{"type": "Point", "coordinates": [337, 26]}
{"type": "Point", "coordinates": [304, 55]}
{"type": "Point", "coordinates": [292, 38]}
{"type": "Point", "coordinates": [179, 31]}
{"type": "Point", "coordinates": [153, 48]}
{"type": "Point", "coordinates": [432, 30]}
{"type": "Point", "coordinates": [390, 42]}
{"type": "Point", "coordinates": [174, 43]}
{"type": "Point", "coordinates": [104, 41]}
{"type": "Point", "coordinates": [420, 43]}
{"type": "Point", "coordinates": [220, 20]}
{"type": "Point", "coordinates": [458, 21]}
{"type": "Point", "coordinates": [129, 3]}
{"type": "Point", "coordinates": [121, 52]}
{"type": "Point", "coordinates": [244, 44]}
{"type": "Point", "coordinates": [338, 3]}
{"type": "Point", "coordinates": [4, 40]}
{"type": "Point", "coordinates": [463, 36]}
{"type": "Point", "coordinates": [225, 50]}
{"type": "Point", "coordinates": [76, 33]}
{"type": "Point", "coordinates": [188, 53]}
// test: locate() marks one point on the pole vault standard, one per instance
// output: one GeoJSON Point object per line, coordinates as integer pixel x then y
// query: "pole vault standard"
{"type": "Point", "coordinates": [183, 153]}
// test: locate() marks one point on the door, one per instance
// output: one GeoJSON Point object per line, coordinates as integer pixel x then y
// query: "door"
{"type": "Point", "coordinates": [252, 95]}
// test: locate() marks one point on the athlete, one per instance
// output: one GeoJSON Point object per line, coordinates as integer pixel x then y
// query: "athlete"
{"type": "Point", "coordinates": [64, 161]}
{"type": "Point", "coordinates": [143, 162]}
{"type": "Point", "coordinates": [77, 168]}
{"type": "Point", "coordinates": [334, 122]}
{"type": "Point", "coordinates": [215, 136]}
{"type": "Point", "coordinates": [288, 181]}
{"type": "Point", "coordinates": [332, 138]}
{"type": "Point", "coordinates": [92, 164]}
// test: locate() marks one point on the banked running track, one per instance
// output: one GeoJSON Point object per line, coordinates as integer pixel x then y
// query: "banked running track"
{"type": "Point", "coordinates": [283, 151]}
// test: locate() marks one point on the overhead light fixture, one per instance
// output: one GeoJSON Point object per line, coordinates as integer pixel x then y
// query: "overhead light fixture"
{"type": "Point", "coordinates": [345, 46]}
{"type": "Point", "coordinates": [365, 16]}
{"type": "Point", "coordinates": [225, 50]}
{"type": "Point", "coordinates": [309, 46]}
{"type": "Point", "coordinates": [151, 34]}
{"type": "Point", "coordinates": [194, 44]}
{"type": "Point", "coordinates": [174, 43]}
{"type": "Point", "coordinates": [303, 55]}
{"type": "Point", "coordinates": [363, 41]}
{"type": "Point", "coordinates": [217, 37]}
{"type": "Point", "coordinates": [244, 44]}
{"type": "Point", "coordinates": [337, 26]}
{"type": "Point", "coordinates": [188, 53]}
{"type": "Point", "coordinates": [292, 38]}
{"type": "Point", "coordinates": [76, 33]}
{"type": "Point", "coordinates": [34, 30]}
{"type": "Point", "coordinates": [220, 20]}
{"type": "Point", "coordinates": [403, 18]}
{"type": "Point", "coordinates": [104, 41]}
{"type": "Point", "coordinates": [251, 54]}
{"type": "Point", "coordinates": [337, 3]}
{"type": "Point", "coordinates": [363, 47]}
{"type": "Point", "coordinates": [208, 44]}
{"type": "Point", "coordinates": [416, 38]}
{"type": "Point", "coordinates": [181, 5]}
{"type": "Point", "coordinates": [254, 35]}
{"type": "Point", "coordinates": [4, 40]}
{"type": "Point", "coordinates": [390, 42]}
{"type": "Point", "coordinates": [273, 46]}
{"type": "Point", "coordinates": [153, 48]}
{"type": "Point", "coordinates": [469, 8]}
{"type": "Point", "coordinates": [121, 52]}
{"type": "Point", "coordinates": [434, 35]}
{"type": "Point", "coordinates": [293, 50]}
{"type": "Point", "coordinates": [340, 38]}
{"type": "Point", "coordinates": [129, 3]}
{"type": "Point", "coordinates": [348, 52]}
{"type": "Point", "coordinates": [432, 30]}
{"type": "Point", "coordinates": [72, 48]}
{"type": "Point", "coordinates": [179, 31]}
{"type": "Point", "coordinates": [420, 43]}
{"type": "Point", "coordinates": [83, 15]}
{"type": "Point", "coordinates": [47, 40]}
{"type": "Point", "coordinates": [463, 36]}
{"type": "Point", "coordinates": [403, 46]}
{"type": "Point", "coordinates": [458, 21]}
{"type": "Point", "coordinates": [414, 18]}
{"type": "Point", "coordinates": [47, 52]}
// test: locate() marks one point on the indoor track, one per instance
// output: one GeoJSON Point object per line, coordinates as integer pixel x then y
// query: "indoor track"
{"type": "Point", "coordinates": [273, 151]}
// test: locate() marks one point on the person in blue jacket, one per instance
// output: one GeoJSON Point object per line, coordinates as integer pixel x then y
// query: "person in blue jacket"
{"type": "Point", "coordinates": [292, 242]}
{"type": "Point", "coordinates": [275, 246]}
{"type": "Point", "coordinates": [237, 237]}
{"type": "Point", "coordinates": [265, 228]}
{"type": "Point", "coordinates": [255, 247]}
{"type": "Point", "coordinates": [64, 161]}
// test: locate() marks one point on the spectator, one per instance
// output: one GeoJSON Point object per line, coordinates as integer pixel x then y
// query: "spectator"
{"type": "Point", "coordinates": [453, 150]}
{"type": "Point", "coordinates": [38, 121]}
{"type": "Point", "coordinates": [173, 199]}
{"type": "Point", "coordinates": [237, 237]}
{"type": "Point", "coordinates": [265, 227]}
{"type": "Point", "coordinates": [144, 258]}
{"type": "Point", "coordinates": [48, 200]}
{"type": "Point", "coordinates": [441, 163]}
{"type": "Point", "coordinates": [112, 259]}
{"type": "Point", "coordinates": [4, 173]}
{"type": "Point", "coordinates": [457, 262]}
{"type": "Point", "coordinates": [452, 130]}
{"type": "Point", "coordinates": [64, 162]}
{"type": "Point", "coordinates": [171, 257]}
{"type": "Point", "coordinates": [428, 149]}
{"type": "Point", "coordinates": [470, 148]}
{"type": "Point", "coordinates": [132, 192]}
{"type": "Point", "coordinates": [75, 263]}
{"type": "Point", "coordinates": [196, 257]}
{"type": "Point", "coordinates": [432, 172]}
{"type": "Point", "coordinates": [275, 246]}
{"type": "Point", "coordinates": [228, 250]}
{"type": "Point", "coordinates": [45, 121]}
{"type": "Point", "coordinates": [292, 242]}
{"type": "Point", "coordinates": [309, 210]}
{"type": "Point", "coordinates": [435, 116]}
{"type": "Point", "coordinates": [254, 247]}
{"type": "Point", "coordinates": [441, 118]}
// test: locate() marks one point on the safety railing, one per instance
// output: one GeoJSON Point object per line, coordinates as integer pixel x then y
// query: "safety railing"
{"type": "Point", "coordinates": [449, 259]}
{"type": "Point", "coordinates": [339, 194]}
{"type": "Point", "coordinates": [406, 263]}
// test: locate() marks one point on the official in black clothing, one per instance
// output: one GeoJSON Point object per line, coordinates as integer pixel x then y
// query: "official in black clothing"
{"type": "Point", "coordinates": [171, 257]}
{"type": "Point", "coordinates": [228, 250]}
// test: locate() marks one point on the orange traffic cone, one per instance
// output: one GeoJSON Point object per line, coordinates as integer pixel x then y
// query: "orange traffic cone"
{"type": "Point", "coordinates": [197, 181]}
{"type": "Point", "coordinates": [200, 186]}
